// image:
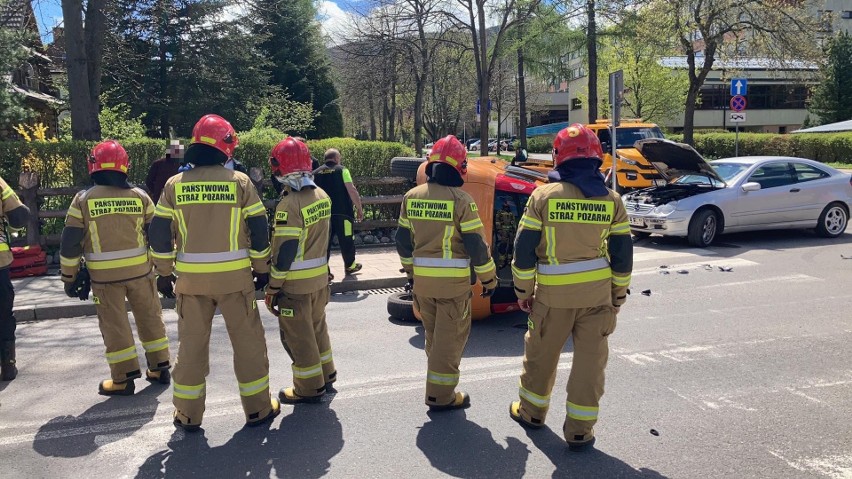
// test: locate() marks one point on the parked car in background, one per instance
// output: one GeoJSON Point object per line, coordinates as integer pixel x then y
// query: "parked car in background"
{"type": "Point", "coordinates": [476, 146]}
{"type": "Point", "coordinates": [702, 200]}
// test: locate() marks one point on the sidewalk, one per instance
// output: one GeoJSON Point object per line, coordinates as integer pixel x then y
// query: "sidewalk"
{"type": "Point", "coordinates": [43, 297]}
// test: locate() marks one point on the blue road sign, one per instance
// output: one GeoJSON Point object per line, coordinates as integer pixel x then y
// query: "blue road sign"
{"type": "Point", "coordinates": [738, 103]}
{"type": "Point", "coordinates": [739, 86]}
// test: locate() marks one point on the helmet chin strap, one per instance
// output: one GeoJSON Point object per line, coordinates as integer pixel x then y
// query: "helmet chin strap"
{"type": "Point", "coordinates": [297, 181]}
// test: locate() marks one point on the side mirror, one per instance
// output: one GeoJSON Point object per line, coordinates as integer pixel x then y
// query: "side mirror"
{"type": "Point", "coordinates": [751, 186]}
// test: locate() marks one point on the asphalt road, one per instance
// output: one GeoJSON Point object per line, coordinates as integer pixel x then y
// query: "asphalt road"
{"type": "Point", "coordinates": [746, 373]}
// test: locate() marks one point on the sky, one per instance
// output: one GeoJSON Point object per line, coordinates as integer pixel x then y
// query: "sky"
{"type": "Point", "coordinates": [49, 13]}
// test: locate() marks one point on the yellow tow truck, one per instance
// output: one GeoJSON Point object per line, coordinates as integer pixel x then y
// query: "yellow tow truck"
{"type": "Point", "coordinates": [634, 171]}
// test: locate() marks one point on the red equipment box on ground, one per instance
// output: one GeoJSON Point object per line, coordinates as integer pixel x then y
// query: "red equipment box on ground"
{"type": "Point", "coordinates": [28, 261]}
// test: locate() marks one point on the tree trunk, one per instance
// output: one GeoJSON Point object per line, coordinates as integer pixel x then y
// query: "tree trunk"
{"type": "Point", "coordinates": [689, 114]}
{"type": "Point", "coordinates": [418, 113]}
{"type": "Point", "coordinates": [95, 32]}
{"type": "Point", "coordinates": [84, 112]}
{"type": "Point", "coordinates": [522, 100]}
{"type": "Point", "coordinates": [592, 53]}
{"type": "Point", "coordinates": [385, 116]}
{"type": "Point", "coordinates": [392, 113]}
{"type": "Point", "coordinates": [372, 108]}
{"type": "Point", "coordinates": [484, 80]}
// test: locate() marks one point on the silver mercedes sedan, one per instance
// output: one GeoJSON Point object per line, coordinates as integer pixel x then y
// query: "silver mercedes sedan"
{"type": "Point", "coordinates": [702, 200]}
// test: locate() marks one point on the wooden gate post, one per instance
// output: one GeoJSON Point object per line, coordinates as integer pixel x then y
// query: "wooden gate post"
{"type": "Point", "coordinates": [28, 184]}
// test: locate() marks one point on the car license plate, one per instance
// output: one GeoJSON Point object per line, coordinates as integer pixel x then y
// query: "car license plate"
{"type": "Point", "coordinates": [659, 182]}
{"type": "Point", "coordinates": [634, 221]}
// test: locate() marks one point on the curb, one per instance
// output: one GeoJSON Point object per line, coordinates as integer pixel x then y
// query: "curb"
{"type": "Point", "coordinates": [86, 308]}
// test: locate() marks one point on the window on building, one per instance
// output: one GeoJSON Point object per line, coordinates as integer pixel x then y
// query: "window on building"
{"type": "Point", "coordinates": [576, 104]}
{"type": "Point", "coordinates": [760, 97]}
{"type": "Point", "coordinates": [30, 77]}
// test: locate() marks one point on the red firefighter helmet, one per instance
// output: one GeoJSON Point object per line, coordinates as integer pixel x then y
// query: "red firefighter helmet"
{"type": "Point", "coordinates": [108, 156]}
{"type": "Point", "coordinates": [290, 156]}
{"type": "Point", "coordinates": [215, 131]}
{"type": "Point", "coordinates": [575, 142]}
{"type": "Point", "coordinates": [449, 150]}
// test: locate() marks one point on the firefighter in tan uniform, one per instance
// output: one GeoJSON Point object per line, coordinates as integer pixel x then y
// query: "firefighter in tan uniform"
{"type": "Point", "coordinates": [298, 287]}
{"type": "Point", "coordinates": [106, 225]}
{"type": "Point", "coordinates": [15, 215]}
{"type": "Point", "coordinates": [573, 260]}
{"type": "Point", "coordinates": [210, 228]}
{"type": "Point", "coordinates": [440, 237]}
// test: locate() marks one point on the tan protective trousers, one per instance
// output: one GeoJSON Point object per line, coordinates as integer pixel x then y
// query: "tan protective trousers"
{"type": "Point", "coordinates": [251, 364]}
{"type": "Point", "coordinates": [548, 331]}
{"type": "Point", "coordinates": [447, 326]}
{"type": "Point", "coordinates": [115, 327]}
{"type": "Point", "coordinates": [304, 334]}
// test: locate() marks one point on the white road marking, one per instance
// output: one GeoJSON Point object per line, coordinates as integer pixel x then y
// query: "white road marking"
{"type": "Point", "coordinates": [796, 392]}
{"type": "Point", "coordinates": [674, 268]}
{"type": "Point", "coordinates": [658, 255]}
{"type": "Point", "coordinates": [834, 466]}
{"type": "Point", "coordinates": [791, 278]}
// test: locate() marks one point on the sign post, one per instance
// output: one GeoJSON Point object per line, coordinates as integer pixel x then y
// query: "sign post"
{"type": "Point", "coordinates": [616, 96]}
{"type": "Point", "coordinates": [739, 90]}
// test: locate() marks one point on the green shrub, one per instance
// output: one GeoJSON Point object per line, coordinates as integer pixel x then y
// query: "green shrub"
{"type": "Point", "coordinates": [540, 144]}
{"type": "Point", "coordinates": [363, 158]}
{"type": "Point", "coordinates": [822, 147]}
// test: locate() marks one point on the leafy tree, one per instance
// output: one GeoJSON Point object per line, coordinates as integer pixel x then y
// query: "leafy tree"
{"type": "Point", "coordinates": [653, 92]}
{"type": "Point", "coordinates": [291, 40]}
{"type": "Point", "coordinates": [704, 31]}
{"type": "Point", "coordinates": [178, 60]}
{"type": "Point", "coordinates": [12, 54]}
{"type": "Point", "coordinates": [280, 112]}
{"type": "Point", "coordinates": [832, 100]}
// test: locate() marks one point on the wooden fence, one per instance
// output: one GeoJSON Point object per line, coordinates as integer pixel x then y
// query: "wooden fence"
{"type": "Point", "coordinates": [31, 195]}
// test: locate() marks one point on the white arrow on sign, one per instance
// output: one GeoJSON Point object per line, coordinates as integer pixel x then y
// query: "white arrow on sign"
{"type": "Point", "coordinates": [737, 116]}
{"type": "Point", "coordinates": [739, 86]}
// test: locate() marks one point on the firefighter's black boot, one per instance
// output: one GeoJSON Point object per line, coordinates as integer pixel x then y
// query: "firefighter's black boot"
{"type": "Point", "coordinates": [163, 376]}
{"type": "Point", "coordinates": [111, 388]}
{"type": "Point", "coordinates": [8, 370]}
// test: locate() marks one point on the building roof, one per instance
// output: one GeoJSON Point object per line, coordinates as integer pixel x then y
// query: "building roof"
{"type": "Point", "coordinates": [740, 63]}
{"type": "Point", "coordinates": [830, 128]}
{"type": "Point", "coordinates": [18, 14]}
{"type": "Point", "coordinates": [37, 95]}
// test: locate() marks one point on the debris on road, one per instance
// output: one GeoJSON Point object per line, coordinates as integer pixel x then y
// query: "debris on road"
{"type": "Point", "coordinates": [647, 292]}
{"type": "Point", "coordinates": [707, 267]}
{"type": "Point", "coordinates": [664, 272]}
{"type": "Point", "coordinates": [683, 271]}
{"type": "Point", "coordinates": [726, 269]}
{"type": "Point", "coordinates": [654, 432]}
{"type": "Point", "coordinates": [845, 257]}
{"type": "Point", "coordinates": [665, 266]}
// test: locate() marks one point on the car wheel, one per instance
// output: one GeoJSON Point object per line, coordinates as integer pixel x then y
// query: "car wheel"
{"type": "Point", "coordinates": [406, 167]}
{"type": "Point", "coordinates": [703, 228]}
{"type": "Point", "coordinates": [401, 306]}
{"type": "Point", "coordinates": [833, 220]}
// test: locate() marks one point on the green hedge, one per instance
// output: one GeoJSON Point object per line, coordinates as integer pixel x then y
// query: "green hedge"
{"type": "Point", "coordinates": [823, 147]}
{"type": "Point", "coordinates": [539, 144]}
{"type": "Point", "coordinates": [63, 163]}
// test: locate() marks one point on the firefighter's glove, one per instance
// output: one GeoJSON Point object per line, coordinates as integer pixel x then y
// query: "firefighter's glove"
{"type": "Point", "coordinates": [166, 285]}
{"type": "Point", "coordinates": [260, 280]}
{"type": "Point", "coordinates": [487, 293]}
{"type": "Point", "coordinates": [80, 287]}
{"type": "Point", "coordinates": [271, 301]}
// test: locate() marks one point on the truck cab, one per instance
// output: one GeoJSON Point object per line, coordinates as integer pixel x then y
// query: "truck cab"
{"type": "Point", "coordinates": [634, 171]}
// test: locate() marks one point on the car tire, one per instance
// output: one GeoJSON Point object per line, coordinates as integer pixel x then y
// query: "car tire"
{"type": "Point", "coordinates": [703, 228]}
{"type": "Point", "coordinates": [401, 306]}
{"type": "Point", "coordinates": [406, 167]}
{"type": "Point", "coordinates": [832, 221]}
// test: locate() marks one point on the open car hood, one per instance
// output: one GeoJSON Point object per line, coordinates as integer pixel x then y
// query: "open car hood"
{"type": "Point", "coordinates": [673, 160]}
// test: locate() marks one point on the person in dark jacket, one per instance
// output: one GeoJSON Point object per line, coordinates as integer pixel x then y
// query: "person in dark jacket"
{"type": "Point", "coordinates": [336, 180]}
{"type": "Point", "coordinates": [163, 169]}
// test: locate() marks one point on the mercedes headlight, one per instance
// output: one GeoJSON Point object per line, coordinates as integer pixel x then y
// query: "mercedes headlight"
{"type": "Point", "coordinates": [666, 209]}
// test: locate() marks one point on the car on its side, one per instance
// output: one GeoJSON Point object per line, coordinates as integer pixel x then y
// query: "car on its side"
{"type": "Point", "coordinates": [702, 200]}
